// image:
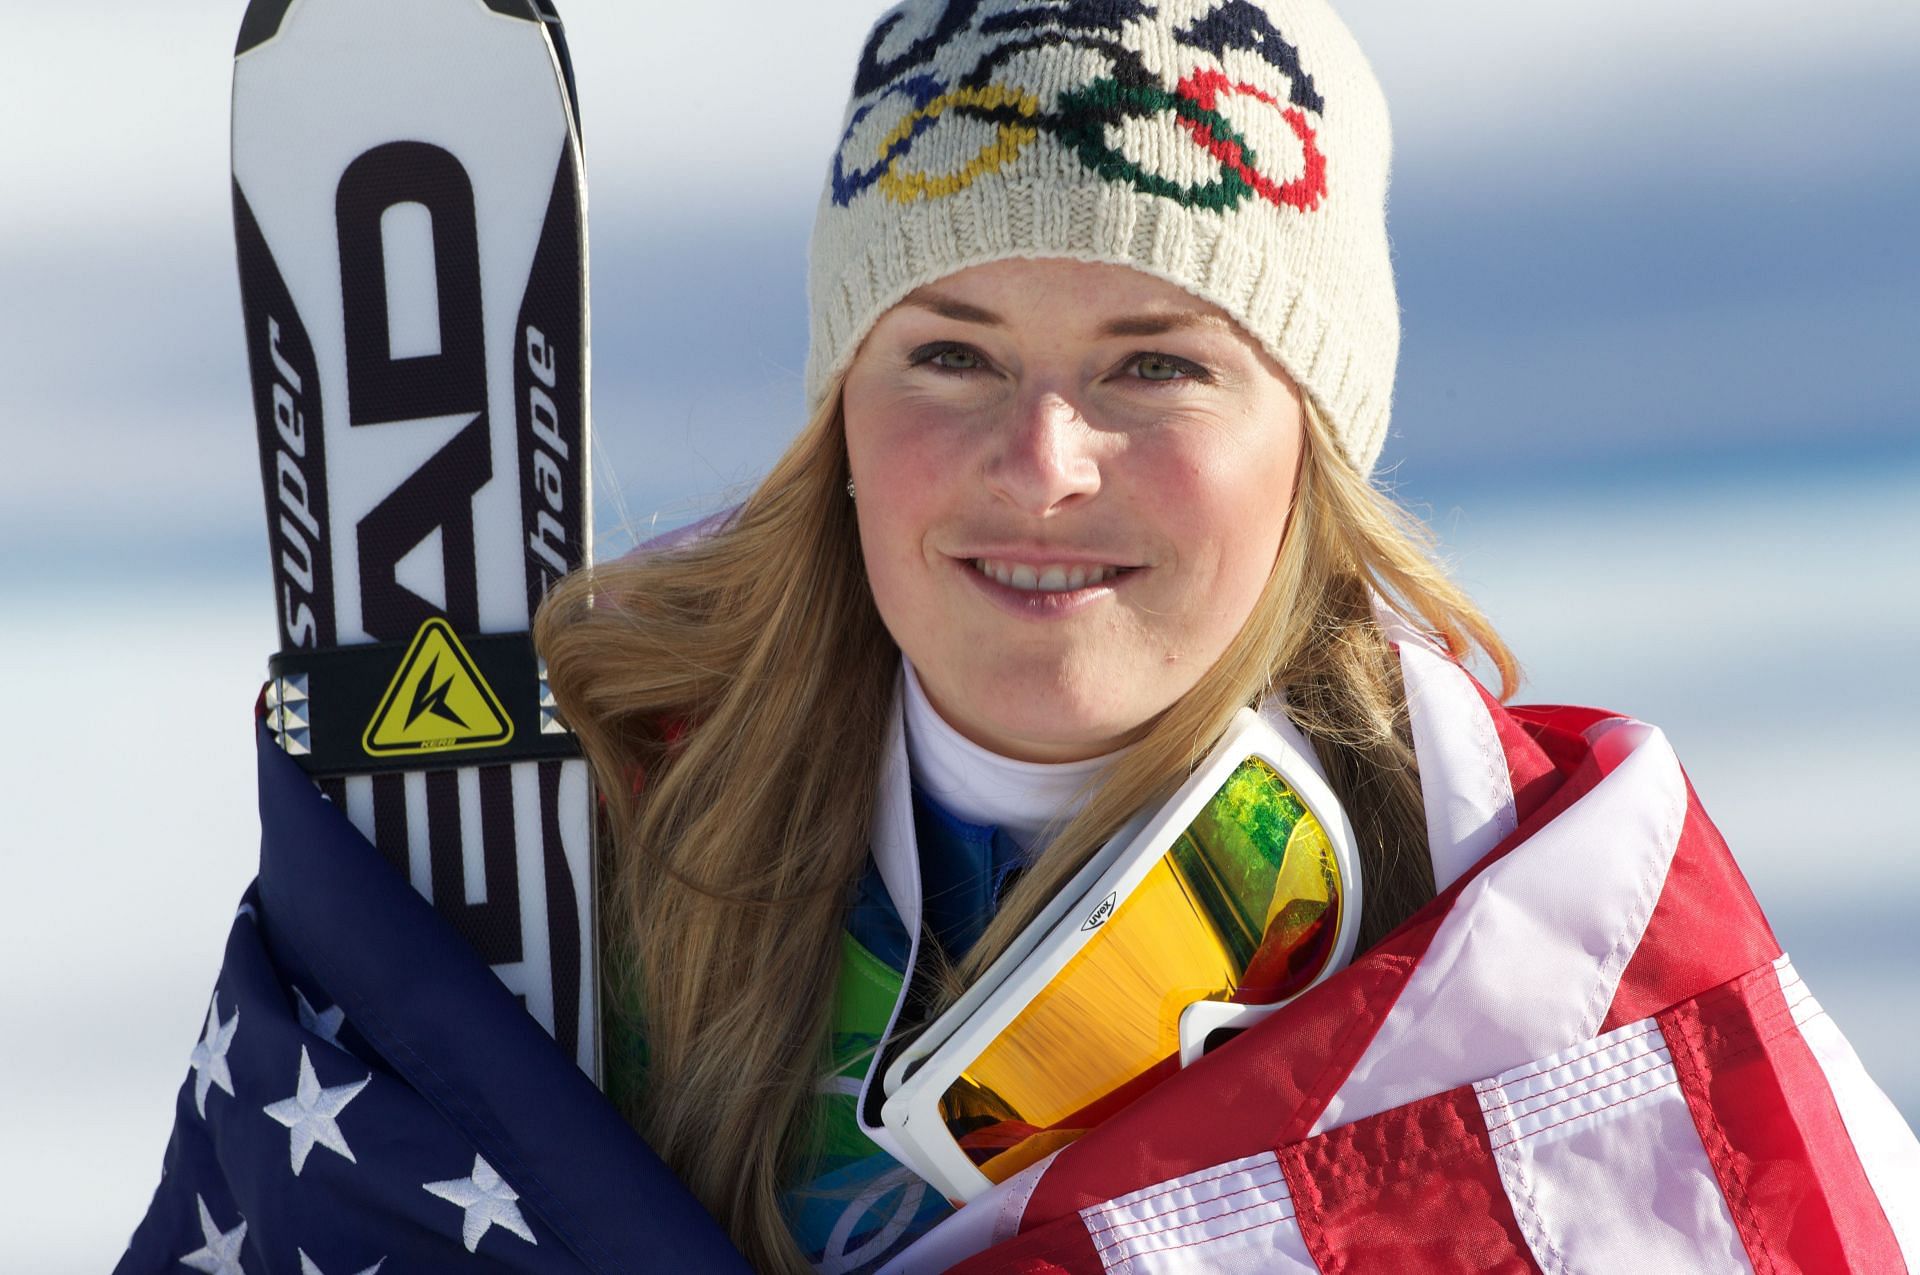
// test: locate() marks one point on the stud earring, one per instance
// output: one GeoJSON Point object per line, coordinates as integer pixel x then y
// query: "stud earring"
{"type": "Point", "coordinates": [850, 487]}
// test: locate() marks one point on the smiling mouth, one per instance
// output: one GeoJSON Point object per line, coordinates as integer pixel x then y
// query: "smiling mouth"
{"type": "Point", "coordinates": [1046, 577]}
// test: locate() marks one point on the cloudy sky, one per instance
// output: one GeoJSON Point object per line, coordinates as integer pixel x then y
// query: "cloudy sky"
{"type": "Point", "coordinates": [1658, 393]}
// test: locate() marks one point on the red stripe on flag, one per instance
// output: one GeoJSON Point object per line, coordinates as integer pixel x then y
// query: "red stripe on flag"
{"type": "Point", "coordinates": [1062, 1247]}
{"type": "Point", "coordinates": [1542, 747]}
{"type": "Point", "coordinates": [1412, 1189]}
{"type": "Point", "coordinates": [1706, 928]}
{"type": "Point", "coordinates": [1560, 730]}
{"type": "Point", "coordinates": [1773, 1134]}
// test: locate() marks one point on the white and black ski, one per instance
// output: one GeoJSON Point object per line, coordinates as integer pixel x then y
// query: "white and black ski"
{"type": "Point", "coordinates": [409, 207]}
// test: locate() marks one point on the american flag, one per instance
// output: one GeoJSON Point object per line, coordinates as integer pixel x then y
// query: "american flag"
{"type": "Point", "coordinates": [366, 1096]}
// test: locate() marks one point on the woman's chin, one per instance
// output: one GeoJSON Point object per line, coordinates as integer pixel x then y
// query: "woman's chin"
{"type": "Point", "coordinates": [1051, 729]}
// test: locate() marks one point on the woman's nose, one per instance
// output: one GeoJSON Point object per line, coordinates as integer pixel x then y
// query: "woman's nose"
{"type": "Point", "coordinates": [1043, 457]}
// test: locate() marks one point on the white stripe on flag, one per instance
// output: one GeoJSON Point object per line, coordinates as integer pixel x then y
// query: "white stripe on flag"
{"type": "Point", "coordinates": [1886, 1146]}
{"type": "Point", "coordinates": [1463, 768]}
{"type": "Point", "coordinates": [1528, 960]}
{"type": "Point", "coordinates": [1236, 1216]}
{"type": "Point", "coordinates": [1601, 1162]}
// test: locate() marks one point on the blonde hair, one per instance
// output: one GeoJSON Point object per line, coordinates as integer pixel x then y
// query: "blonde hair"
{"type": "Point", "coordinates": [748, 679]}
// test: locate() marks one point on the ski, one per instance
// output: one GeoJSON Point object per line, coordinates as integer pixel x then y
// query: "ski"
{"type": "Point", "coordinates": [410, 220]}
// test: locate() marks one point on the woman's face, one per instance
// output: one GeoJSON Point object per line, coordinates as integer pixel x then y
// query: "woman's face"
{"type": "Point", "coordinates": [1072, 479]}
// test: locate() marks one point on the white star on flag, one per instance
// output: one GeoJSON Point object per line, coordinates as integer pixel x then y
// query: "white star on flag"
{"type": "Point", "coordinates": [210, 1055]}
{"type": "Point", "coordinates": [221, 1256]}
{"type": "Point", "coordinates": [325, 1025]}
{"type": "Point", "coordinates": [488, 1201]}
{"type": "Point", "coordinates": [308, 1266]}
{"type": "Point", "coordinates": [310, 1114]}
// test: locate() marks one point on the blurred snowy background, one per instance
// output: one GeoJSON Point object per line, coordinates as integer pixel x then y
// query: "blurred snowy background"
{"type": "Point", "coordinates": [1659, 394]}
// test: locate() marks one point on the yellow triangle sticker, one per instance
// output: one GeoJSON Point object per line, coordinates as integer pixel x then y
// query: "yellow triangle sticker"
{"type": "Point", "coordinates": [437, 701]}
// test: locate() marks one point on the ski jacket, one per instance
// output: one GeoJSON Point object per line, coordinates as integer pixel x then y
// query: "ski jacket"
{"type": "Point", "coordinates": [849, 1204]}
{"type": "Point", "coordinates": [1587, 1054]}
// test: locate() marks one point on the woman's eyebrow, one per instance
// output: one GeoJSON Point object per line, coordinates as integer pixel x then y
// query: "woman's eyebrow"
{"type": "Point", "coordinates": [948, 308]}
{"type": "Point", "coordinates": [1133, 325]}
{"type": "Point", "coordinates": [1158, 324]}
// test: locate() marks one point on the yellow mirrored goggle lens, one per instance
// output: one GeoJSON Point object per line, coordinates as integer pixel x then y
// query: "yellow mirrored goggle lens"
{"type": "Point", "coordinates": [1246, 899]}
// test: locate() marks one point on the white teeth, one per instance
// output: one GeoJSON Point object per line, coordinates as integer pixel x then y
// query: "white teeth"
{"type": "Point", "coordinates": [1052, 578]}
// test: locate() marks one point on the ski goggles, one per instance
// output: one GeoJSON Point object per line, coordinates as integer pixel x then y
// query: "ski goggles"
{"type": "Point", "coordinates": [1199, 919]}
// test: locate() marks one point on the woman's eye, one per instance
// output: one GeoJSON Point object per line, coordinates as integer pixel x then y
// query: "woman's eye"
{"type": "Point", "coordinates": [949, 358]}
{"type": "Point", "coordinates": [1162, 367]}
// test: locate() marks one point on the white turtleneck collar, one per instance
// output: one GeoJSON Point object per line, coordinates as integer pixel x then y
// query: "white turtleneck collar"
{"type": "Point", "coordinates": [1021, 798]}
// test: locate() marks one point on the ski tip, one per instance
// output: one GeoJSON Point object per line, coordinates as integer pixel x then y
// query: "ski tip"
{"type": "Point", "coordinates": [557, 37]}
{"type": "Point", "coordinates": [261, 23]}
{"type": "Point", "coordinates": [263, 18]}
{"type": "Point", "coordinates": [524, 9]}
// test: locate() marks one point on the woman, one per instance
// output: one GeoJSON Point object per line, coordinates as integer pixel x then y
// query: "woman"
{"type": "Point", "coordinates": [1103, 342]}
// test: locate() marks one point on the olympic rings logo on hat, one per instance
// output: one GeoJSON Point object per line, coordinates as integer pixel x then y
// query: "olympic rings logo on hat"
{"type": "Point", "coordinates": [905, 187]}
{"type": "Point", "coordinates": [1084, 114]}
{"type": "Point", "coordinates": [920, 90]}
{"type": "Point", "coordinates": [1083, 117]}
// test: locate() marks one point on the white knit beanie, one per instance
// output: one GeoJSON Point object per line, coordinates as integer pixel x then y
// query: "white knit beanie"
{"type": "Point", "coordinates": [1238, 149]}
